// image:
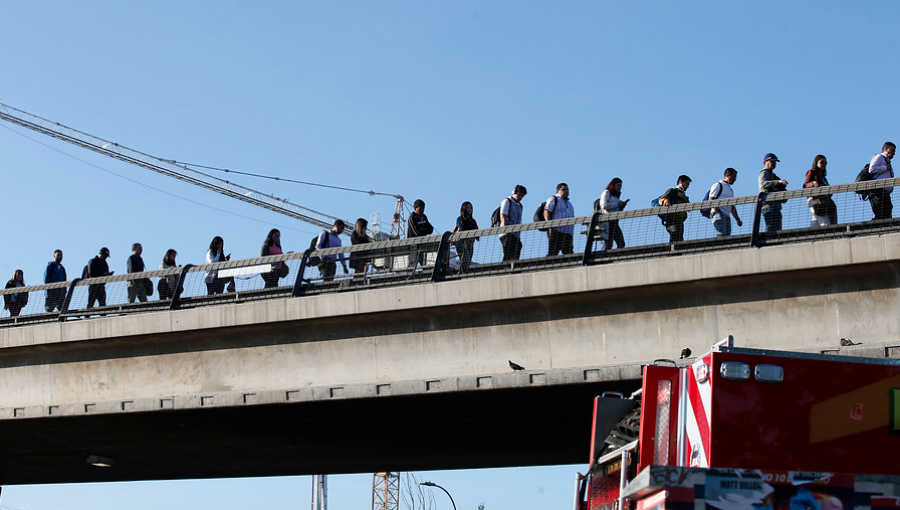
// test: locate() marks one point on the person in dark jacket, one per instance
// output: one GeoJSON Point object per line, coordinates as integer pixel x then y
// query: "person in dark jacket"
{"type": "Point", "coordinates": [15, 302]}
{"type": "Point", "coordinates": [272, 246]}
{"type": "Point", "coordinates": [167, 284]}
{"type": "Point", "coordinates": [98, 267]}
{"type": "Point", "coordinates": [418, 226]}
{"type": "Point", "coordinates": [465, 247]}
{"type": "Point", "coordinates": [359, 263]}
{"type": "Point", "coordinates": [141, 287]}
{"type": "Point", "coordinates": [674, 222]}
{"type": "Point", "coordinates": [55, 272]}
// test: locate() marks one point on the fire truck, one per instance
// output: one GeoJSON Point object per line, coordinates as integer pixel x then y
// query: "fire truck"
{"type": "Point", "coordinates": [754, 429]}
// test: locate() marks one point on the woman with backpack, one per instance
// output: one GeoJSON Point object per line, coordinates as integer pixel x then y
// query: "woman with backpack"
{"type": "Point", "coordinates": [823, 208]}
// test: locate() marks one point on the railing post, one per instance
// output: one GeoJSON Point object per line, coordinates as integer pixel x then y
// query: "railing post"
{"type": "Point", "coordinates": [65, 306]}
{"type": "Point", "coordinates": [179, 288]}
{"type": "Point", "coordinates": [443, 249]}
{"type": "Point", "coordinates": [589, 245]}
{"type": "Point", "coordinates": [757, 213]}
{"type": "Point", "coordinates": [299, 289]}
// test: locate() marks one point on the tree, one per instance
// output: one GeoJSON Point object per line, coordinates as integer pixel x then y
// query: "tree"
{"type": "Point", "coordinates": [414, 496]}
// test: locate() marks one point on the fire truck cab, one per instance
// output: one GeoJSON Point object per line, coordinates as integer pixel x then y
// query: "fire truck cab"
{"type": "Point", "coordinates": [750, 428]}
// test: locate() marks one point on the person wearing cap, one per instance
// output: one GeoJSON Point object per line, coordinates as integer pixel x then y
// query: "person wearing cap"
{"type": "Point", "coordinates": [880, 168]}
{"type": "Point", "coordinates": [96, 268]}
{"type": "Point", "coordinates": [768, 183]}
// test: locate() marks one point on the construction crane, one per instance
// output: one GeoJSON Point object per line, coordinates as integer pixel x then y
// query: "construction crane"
{"type": "Point", "coordinates": [386, 491]}
{"type": "Point", "coordinates": [184, 172]}
{"type": "Point", "coordinates": [386, 486]}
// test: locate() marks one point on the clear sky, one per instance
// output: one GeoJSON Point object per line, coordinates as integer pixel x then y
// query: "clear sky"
{"type": "Point", "coordinates": [444, 101]}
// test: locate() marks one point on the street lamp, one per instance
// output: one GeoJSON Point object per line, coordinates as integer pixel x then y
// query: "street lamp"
{"type": "Point", "coordinates": [432, 484]}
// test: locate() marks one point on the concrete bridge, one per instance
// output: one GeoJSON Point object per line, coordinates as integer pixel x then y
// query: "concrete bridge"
{"type": "Point", "coordinates": [413, 377]}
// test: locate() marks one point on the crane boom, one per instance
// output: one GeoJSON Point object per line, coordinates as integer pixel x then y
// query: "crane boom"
{"type": "Point", "coordinates": [165, 167]}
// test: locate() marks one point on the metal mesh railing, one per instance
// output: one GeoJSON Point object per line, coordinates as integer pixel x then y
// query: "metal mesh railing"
{"type": "Point", "coordinates": [807, 214]}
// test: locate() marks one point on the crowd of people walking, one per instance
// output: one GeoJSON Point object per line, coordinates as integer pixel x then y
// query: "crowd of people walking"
{"type": "Point", "coordinates": [822, 208]}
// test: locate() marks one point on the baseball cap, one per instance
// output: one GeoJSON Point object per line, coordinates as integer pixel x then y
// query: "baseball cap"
{"type": "Point", "coordinates": [770, 157]}
{"type": "Point", "coordinates": [104, 251]}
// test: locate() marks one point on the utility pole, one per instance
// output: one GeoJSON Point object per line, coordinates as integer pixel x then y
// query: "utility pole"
{"type": "Point", "coordinates": [319, 492]}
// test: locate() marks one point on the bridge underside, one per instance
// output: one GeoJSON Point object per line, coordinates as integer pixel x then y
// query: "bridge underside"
{"type": "Point", "coordinates": [497, 428]}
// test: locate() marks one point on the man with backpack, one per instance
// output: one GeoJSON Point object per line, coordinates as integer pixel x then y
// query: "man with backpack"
{"type": "Point", "coordinates": [880, 168]}
{"type": "Point", "coordinates": [511, 214]}
{"type": "Point", "coordinates": [674, 222]}
{"type": "Point", "coordinates": [721, 216]}
{"type": "Point", "coordinates": [768, 183]}
{"type": "Point", "coordinates": [557, 207]}
{"type": "Point", "coordinates": [331, 239]}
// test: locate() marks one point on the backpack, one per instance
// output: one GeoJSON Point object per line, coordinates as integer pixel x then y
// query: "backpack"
{"type": "Point", "coordinates": [705, 212]}
{"type": "Point", "coordinates": [539, 213]}
{"type": "Point", "coordinates": [86, 272]}
{"type": "Point", "coordinates": [666, 218]}
{"type": "Point", "coordinates": [864, 176]}
{"type": "Point", "coordinates": [314, 261]}
{"type": "Point", "coordinates": [495, 218]}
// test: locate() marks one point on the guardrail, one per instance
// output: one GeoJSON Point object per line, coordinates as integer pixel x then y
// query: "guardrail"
{"type": "Point", "coordinates": [469, 254]}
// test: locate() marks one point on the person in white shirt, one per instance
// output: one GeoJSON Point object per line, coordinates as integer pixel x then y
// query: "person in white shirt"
{"type": "Point", "coordinates": [610, 201]}
{"type": "Point", "coordinates": [511, 214]}
{"type": "Point", "coordinates": [880, 168]}
{"type": "Point", "coordinates": [558, 207]}
{"type": "Point", "coordinates": [721, 216]}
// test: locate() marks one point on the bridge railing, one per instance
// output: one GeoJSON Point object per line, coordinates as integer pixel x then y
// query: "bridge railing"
{"type": "Point", "coordinates": [468, 254]}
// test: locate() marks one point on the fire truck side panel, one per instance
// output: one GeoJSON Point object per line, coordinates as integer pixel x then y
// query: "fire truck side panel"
{"type": "Point", "coordinates": [659, 426]}
{"type": "Point", "coordinates": [825, 415]}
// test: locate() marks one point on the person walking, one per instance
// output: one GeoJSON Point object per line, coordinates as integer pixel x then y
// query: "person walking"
{"type": "Point", "coordinates": [54, 272]}
{"type": "Point", "coordinates": [721, 216]}
{"type": "Point", "coordinates": [511, 214]}
{"type": "Point", "coordinates": [278, 270]}
{"type": "Point", "coordinates": [15, 302]}
{"type": "Point", "coordinates": [168, 284]}
{"type": "Point", "coordinates": [611, 202]}
{"type": "Point", "coordinates": [769, 182]}
{"type": "Point", "coordinates": [557, 207]}
{"type": "Point", "coordinates": [465, 247]}
{"type": "Point", "coordinates": [880, 168]}
{"type": "Point", "coordinates": [822, 207]}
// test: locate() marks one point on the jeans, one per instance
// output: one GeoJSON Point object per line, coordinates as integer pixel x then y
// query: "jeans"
{"type": "Point", "coordinates": [772, 215]}
{"type": "Point", "coordinates": [615, 235]}
{"type": "Point", "coordinates": [722, 224]}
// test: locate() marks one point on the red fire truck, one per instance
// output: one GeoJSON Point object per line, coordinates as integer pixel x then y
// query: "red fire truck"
{"type": "Point", "coordinates": [750, 429]}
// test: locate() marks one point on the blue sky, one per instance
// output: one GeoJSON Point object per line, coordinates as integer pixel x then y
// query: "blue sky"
{"type": "Point", "coordinates": [444, 101]}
